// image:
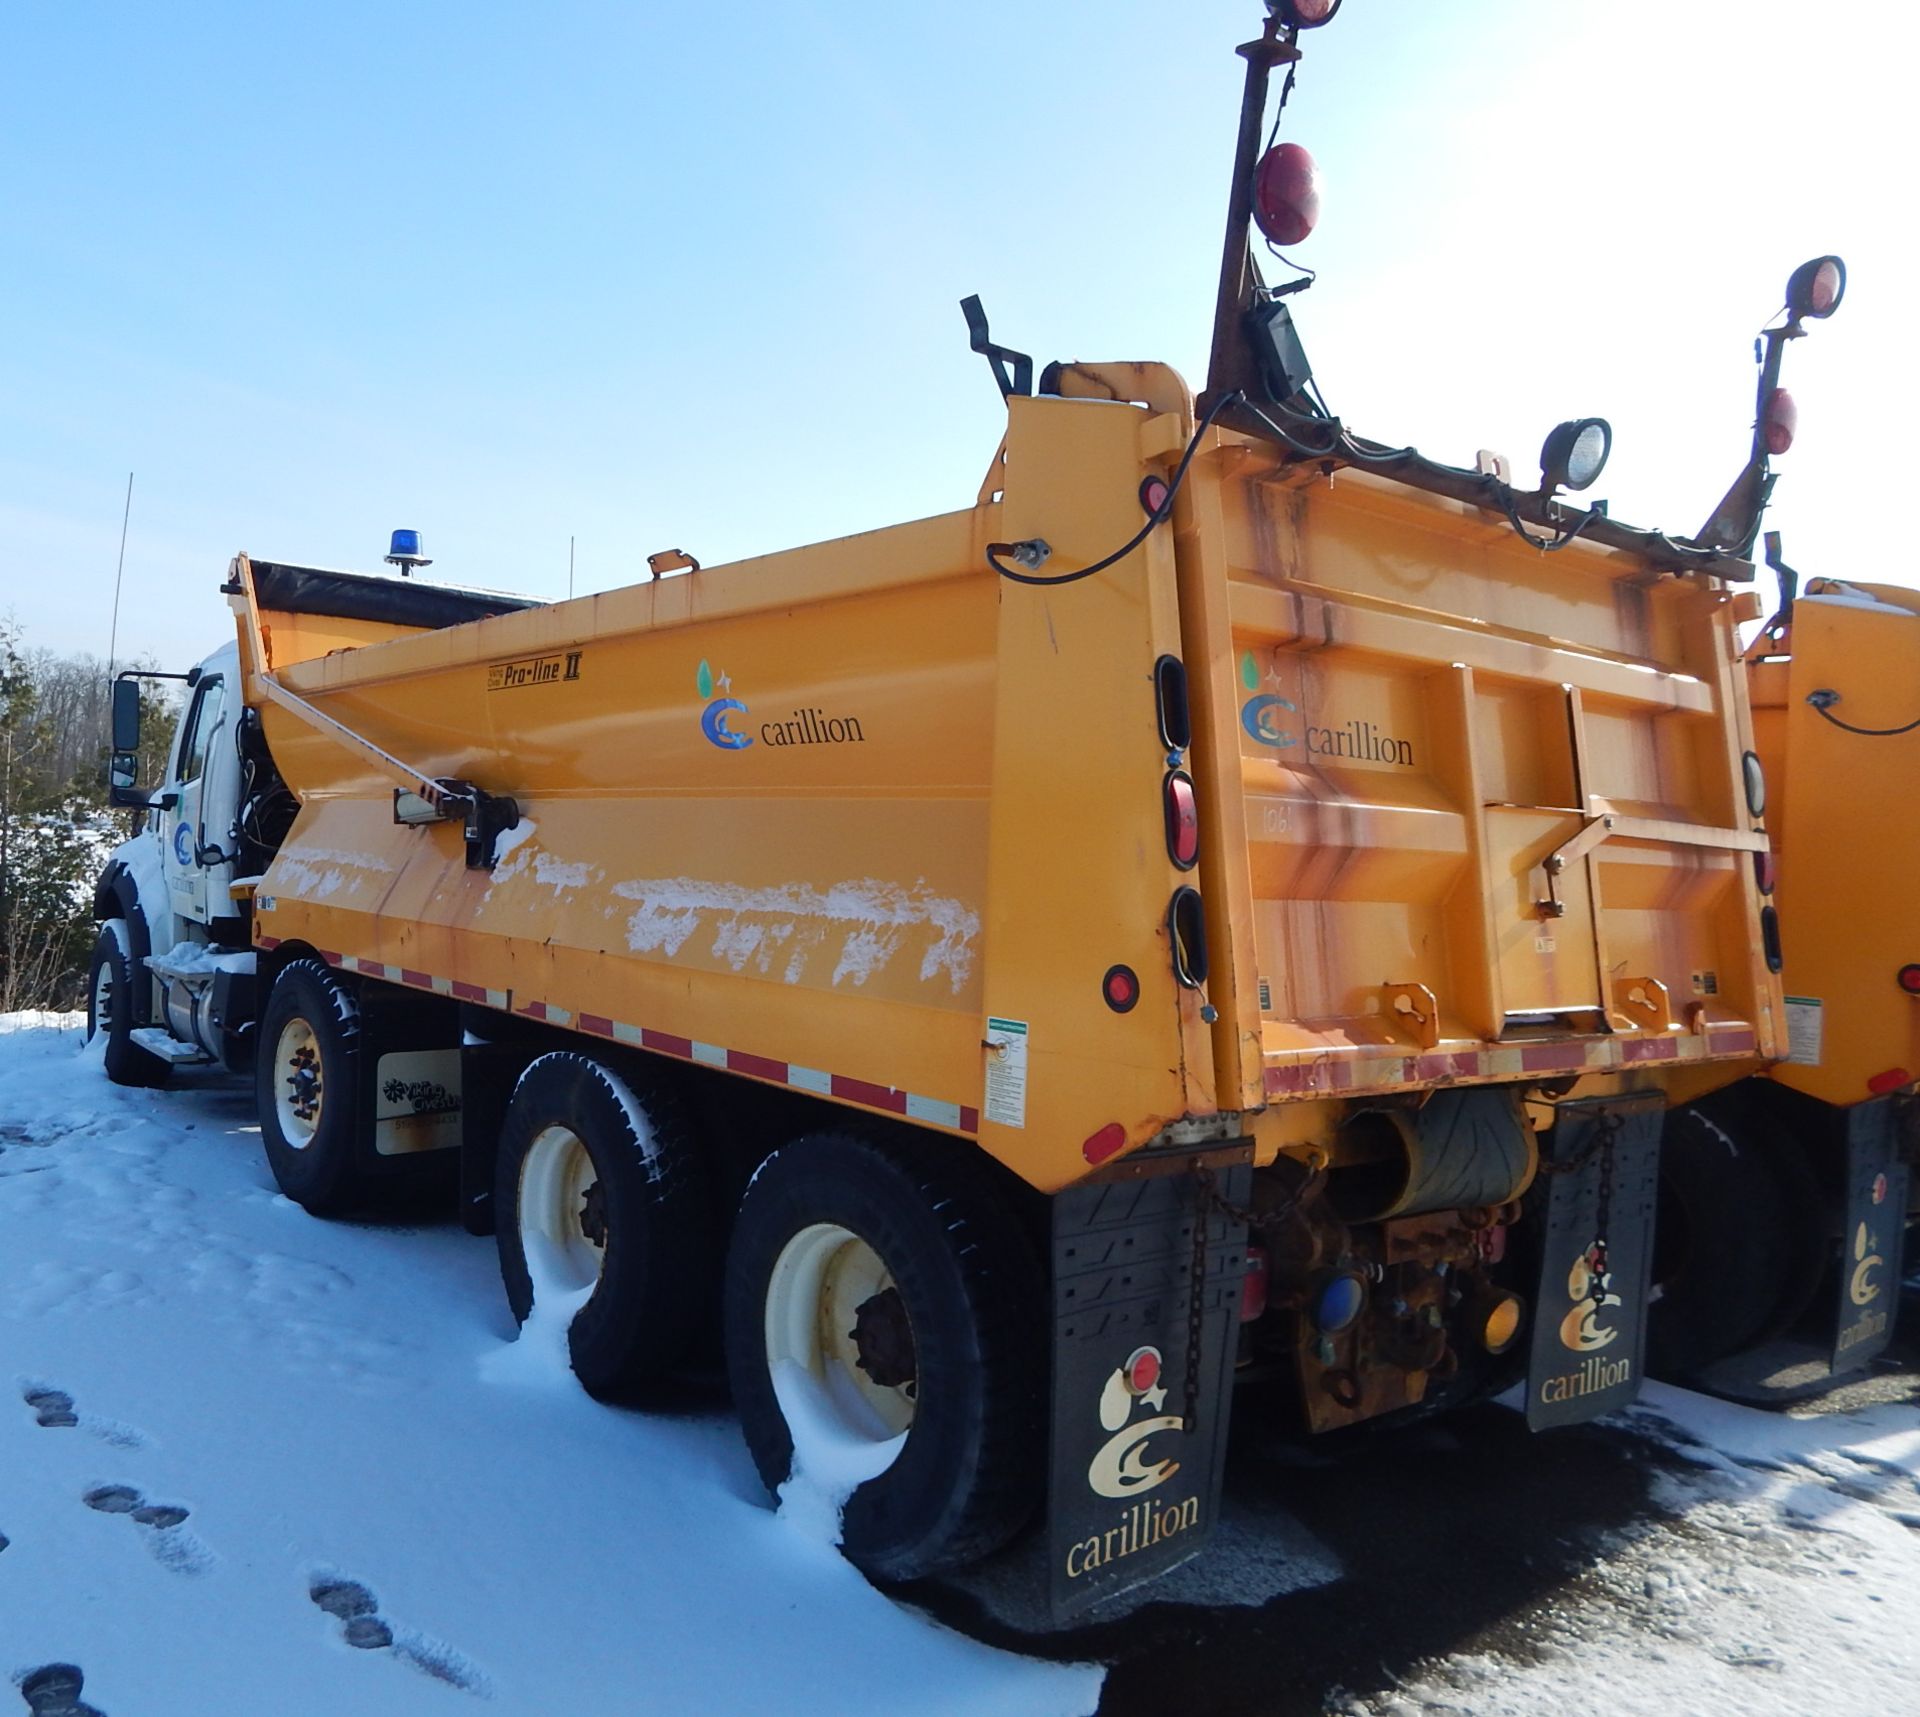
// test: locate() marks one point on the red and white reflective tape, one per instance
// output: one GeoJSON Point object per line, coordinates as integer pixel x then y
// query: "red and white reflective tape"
{"type": "Point", "coordinates": [1368, 1067]}
{"type": "Point", "coordinates": [959, 1117]}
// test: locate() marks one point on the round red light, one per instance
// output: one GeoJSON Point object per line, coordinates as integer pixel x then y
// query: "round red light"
{"type": "Point", "coordinates": [1286, 194]}
{"type": "Point", "coordinates": [1121, 988]}
{"type": "Point", "coordinates": [1908, 978]}
{"type": "Point", "coordinates": [1153, 495]}
{"type": "Point", "coordinates": [1781, 419]}
{"type": "Point", "coordinates": [1142, 1370]}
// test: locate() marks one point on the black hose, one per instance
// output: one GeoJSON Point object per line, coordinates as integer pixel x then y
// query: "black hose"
{"type": "Point", "coordinates": [1158, 516]}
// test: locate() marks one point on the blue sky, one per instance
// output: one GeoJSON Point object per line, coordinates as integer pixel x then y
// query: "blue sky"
{"type": "Point", "coordinates": [656, 276]}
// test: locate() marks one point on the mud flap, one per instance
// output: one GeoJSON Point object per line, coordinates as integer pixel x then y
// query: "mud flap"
{"type": "Point", "coordinates": [1870, 1273]}
{"type": "Point", "coordinates": [1590, 1309]}
{"type": "Point", "coordinates": [1133, 1487]}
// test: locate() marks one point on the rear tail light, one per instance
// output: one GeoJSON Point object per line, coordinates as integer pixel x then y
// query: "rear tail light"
{"type": "Point", "coordinates": [1183, 820]}
{"type": "Point", "coordinates": [1170, 699]}
{"type": "Point", "coordinates": [1253, 1286]}
{"type": "Point", "coordinates": [1187, 930]}
{"type": "Point", "coordinates": [1779, 421]}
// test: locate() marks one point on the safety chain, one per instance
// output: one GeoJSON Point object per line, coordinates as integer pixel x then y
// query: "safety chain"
{"type": "Point", "coordinates": [1197, 1297]}
{"type": "Point", "coordinates": [1605, 1126]}
{"type": "Point", "coordinates": [1267, 1223]}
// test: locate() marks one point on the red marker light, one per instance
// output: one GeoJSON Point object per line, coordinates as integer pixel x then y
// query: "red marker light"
{"type": "Point", "coordinates": [1891, 1080]}
{"type": "Point", "coordinates": [1154, 495]}
{"type": "Point", "coordinates": [1764, 877]}
{"type": "Point", "coordinates": [1286, 194]}
{"type": "Point", "coordinates": [1121, 987]}
{"type": "Point", "coordinates": [1779, 421]}
{"type": "Point", "coordinates": [1110, 1139]}
{"type": "Point", "coordinates": [1183, 820]}
{"type": "Point", "coordinates": [1908, 978]}
{"type": "Point", "coordinates": [1142, 1370]}
{"type": "Point", "coordinates": [1253, 1286]}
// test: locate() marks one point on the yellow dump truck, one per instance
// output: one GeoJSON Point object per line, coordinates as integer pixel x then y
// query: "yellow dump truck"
{"type": "Point", "coordinates": [1212, 906]}
{"type": "Point", "coordinates": [1797, 1172]}
{"type": "Point", "coordinates": [1800, 1175]}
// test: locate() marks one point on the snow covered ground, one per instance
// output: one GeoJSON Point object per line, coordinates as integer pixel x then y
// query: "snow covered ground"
{"type": "Point", "coordinates": [254, 1462]}
{"type": "Point", "coordinates": [235, 1441]}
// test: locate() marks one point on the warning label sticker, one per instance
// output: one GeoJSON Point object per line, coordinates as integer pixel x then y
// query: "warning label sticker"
{"type": "Point", "coordinates": [1006, 1042]}
{"type": "Point", "coordinates": [1804, 1023]}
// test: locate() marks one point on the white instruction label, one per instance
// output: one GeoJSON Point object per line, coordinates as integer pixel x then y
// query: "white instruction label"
{"type": "Point", "coordinates": [1006, 1043]}
{"type": "Point", "coordinates": [1804, 1020]}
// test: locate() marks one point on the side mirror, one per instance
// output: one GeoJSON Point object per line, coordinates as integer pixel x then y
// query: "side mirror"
{"type": "Point", "coordinates": [120, 775]}
{"type": "Point", "coordinates": [126, 724]}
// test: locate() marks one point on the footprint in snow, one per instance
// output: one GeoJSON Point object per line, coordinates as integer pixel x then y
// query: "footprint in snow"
{"type": "Point", "coordinates": [357, 1611]}
{"type": "Point", "coordinates": [53, 1690]}
{"type": "Point", "coordinates": [53, 1410]}
{"type": "Point", "coordinates": [161, 1527]}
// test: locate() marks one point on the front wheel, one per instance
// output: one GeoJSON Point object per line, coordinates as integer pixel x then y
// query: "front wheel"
{"type": "Point", "coordinates": [110, 1010]}
{"type": "Point", "coordinates": [885, 1338]}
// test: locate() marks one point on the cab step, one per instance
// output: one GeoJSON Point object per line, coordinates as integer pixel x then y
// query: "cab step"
{"type": "Point", "coordinates": [167, 1047]}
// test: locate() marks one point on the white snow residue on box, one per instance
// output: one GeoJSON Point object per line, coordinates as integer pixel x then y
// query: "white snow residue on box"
{"type": "Point", "coordinates": [333, 1432]}
{"type": "Point", "coordinates": [862, 925]}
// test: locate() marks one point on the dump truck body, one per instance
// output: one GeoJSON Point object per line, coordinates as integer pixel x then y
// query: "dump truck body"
{"type": "Point", "coordinates": [1251, 885]}
{"type": "Point", "coordinates": [1233, 901]}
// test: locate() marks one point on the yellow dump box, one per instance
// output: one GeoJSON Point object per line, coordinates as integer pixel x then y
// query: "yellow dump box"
{"type": "Point", "coordinates": [1205, 920]}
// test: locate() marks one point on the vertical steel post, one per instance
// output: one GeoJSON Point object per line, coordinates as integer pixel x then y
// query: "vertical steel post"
{"type": "Point", "coordinates": [1231, 365]}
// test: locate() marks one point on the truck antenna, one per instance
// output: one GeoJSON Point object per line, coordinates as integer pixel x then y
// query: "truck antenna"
{"type": "Point", "coordinates": [119, 566]}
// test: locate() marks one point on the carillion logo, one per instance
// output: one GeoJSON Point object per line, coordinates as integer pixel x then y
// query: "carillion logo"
{"type": "Point", "coordinates": [1354, 740]}
{"type": "Point", "coordinates": [811, 726]}
{"type": "Point", "coordinates": [1123, 1468]}
{"type": "Point", "coordinates": [715, 719]}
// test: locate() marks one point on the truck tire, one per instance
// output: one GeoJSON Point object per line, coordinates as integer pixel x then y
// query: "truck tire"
{"type": "Point", "coordinates": [307, 1088]}
{"type": "Point", "coordinates": [110, 1010]}
{"type": "Point", "coordinates": [1721, 1230]}
{"type": "Point", "coordinates": [884, 1296]}
{"type": "Point", "coordinates": [600, 1187]}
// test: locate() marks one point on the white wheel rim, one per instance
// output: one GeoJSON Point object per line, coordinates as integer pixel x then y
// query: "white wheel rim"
{"type": "Point", "coordinates": [298, 1091]}
{"type": "Point", "coordinates": [821, 1280]}
{"type": "Point", "coordinates": [103, 998]}
{"type": "Point", "coordinates": [563, 1233]}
